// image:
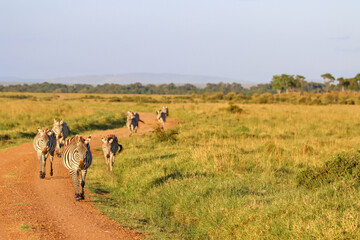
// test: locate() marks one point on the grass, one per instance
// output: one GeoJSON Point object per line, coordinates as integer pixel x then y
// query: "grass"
{"type": "Point", "coordinates": [26, 227]}
{"type": "Point", "coordinates": [220, 175]}
{"type": "Point", "coordinates": [230, 176]}
{"type": "Point", "coordinates": [12, 175]}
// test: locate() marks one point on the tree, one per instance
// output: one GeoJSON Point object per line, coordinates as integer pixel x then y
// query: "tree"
{"type": "Point", "coordinates": [277, 83]}
{"type": "Point", "coordinates": [328, 78]}
{"type": "Point", "coordinates": [301, 80]}
{"type": "Point", "coordinates": [285, 81]}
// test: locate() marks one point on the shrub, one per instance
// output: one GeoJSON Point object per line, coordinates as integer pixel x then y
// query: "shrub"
{"type": "Point", "coordinates": [342, 166]}
{"type": "Point", "coordinates": [160, 135]}
{"type": "Point", "coordinates": [234, 109]}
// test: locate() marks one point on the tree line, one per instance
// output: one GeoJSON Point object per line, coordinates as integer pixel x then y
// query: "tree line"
{"type": "Point", "coordinates": [279, 83]}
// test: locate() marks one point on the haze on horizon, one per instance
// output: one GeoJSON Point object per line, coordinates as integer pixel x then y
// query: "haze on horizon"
{"type": "Point", "coordinates": [247, 40]}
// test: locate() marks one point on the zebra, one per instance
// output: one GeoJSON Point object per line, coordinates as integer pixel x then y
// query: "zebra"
{"type": "Point", "coordinates": [110, 148]}
{"type": "Point", "coordinates": [44, 144]}
{"type": "Point", "coordinates": [77, 158]}
{"type": "Point", "coordinates": [166, 110]}
{"type": "Point", "coordinates": [161, 117]}
{"type": "Point", "coordinates": [132, 122]}
{"type": "Point", "coordinates": [61, 130]}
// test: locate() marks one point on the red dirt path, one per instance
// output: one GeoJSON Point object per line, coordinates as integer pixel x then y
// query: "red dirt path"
{"type": "Point", "coordinates": [48, 205]}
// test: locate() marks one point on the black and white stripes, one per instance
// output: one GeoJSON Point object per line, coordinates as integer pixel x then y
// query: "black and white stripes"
{"type": "Point", "coordinates": [77, 158]}
{"type": "Point", "coordinates": [44, 144]}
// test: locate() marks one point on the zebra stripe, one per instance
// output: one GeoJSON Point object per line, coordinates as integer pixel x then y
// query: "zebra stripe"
{"type": "Point", "coordinates": [110, 147]}
{"type": "Point", "coordinates": [161, 117]}
{"type": "Point", "coordinates": [77, 158]}
{"type": "Point", "coordinates": [61, 130]}
{"type": "Point", "coordinates": [44, 144]}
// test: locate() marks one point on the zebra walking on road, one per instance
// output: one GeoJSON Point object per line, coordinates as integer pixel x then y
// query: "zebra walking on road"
{"type": "Point", "coordinates": [166, 110]}
{"type": "Point", "coordinates": [132, 122]}
{"type": "Point", "coordinates": [44, 144]}
{"type": "Point", "coordinates": [77, 158]}
{"type": "Point", "coordinates": [110, 148]}
{"type": "Point", "coordinates": [61, 130]}
{"type": "Point", "coordinates": [161, 117]}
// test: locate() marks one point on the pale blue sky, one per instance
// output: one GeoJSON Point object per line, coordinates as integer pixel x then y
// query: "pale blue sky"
{"type": "Point", "coordinates": [249, 40]}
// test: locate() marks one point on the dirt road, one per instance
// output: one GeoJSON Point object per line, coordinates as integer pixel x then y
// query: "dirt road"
{"type": "Point", "coordinates": [34, 208]}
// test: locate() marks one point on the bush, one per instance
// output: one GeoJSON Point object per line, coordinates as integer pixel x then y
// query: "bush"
{"type": "Point", "coordinates": [160, 135]}
{"type": "Point", "coordinates": [234, 109]}
{"type": "Point", "coordinates": [342, 166]}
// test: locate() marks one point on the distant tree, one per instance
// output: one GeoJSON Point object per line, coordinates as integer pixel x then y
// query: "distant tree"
{"type": "Point", "coordinates": [343, 83]}
{"type": "Point", "coordinates": [277, 83]}
{"type": "Point", "coordinates": [285, 81]}
{"type": "Point", "coordinates": [328, 79]}
{"type": "Point", "coordinates": [301, 81]}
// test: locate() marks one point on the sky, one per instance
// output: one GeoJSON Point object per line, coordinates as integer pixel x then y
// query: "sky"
{"type": "Point", "coordinates": [247, 40]}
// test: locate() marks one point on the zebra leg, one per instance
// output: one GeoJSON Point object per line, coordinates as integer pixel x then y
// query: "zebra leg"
{"type": "Point", "coordinates": [51, 161]}
{"type": "Point", "coordinates": [107, 161]}
{"type": "Point", "coordinates": [43, 166]}
{"type": "Point", "coordinates": [75, 177]}
{"type": "Point", "coordinates": [82, 182]}
{"type": "Point", "coordinates": [40, 156]}
{"type": "Point", "coordinates": [111, 163]}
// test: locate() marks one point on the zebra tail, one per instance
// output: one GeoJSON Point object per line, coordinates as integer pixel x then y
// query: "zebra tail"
{"type": "Point", "coordinates": [120, 148]}
{"type": "Point", "coordinates": [141, 121]}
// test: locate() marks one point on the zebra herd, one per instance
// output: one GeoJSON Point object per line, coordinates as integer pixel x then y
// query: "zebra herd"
{"type": "Point", "coordinates": [75, 152]}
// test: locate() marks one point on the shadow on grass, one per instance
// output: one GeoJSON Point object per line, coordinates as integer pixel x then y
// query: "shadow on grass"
{"type": "Point", "coordinates": [179, 176]}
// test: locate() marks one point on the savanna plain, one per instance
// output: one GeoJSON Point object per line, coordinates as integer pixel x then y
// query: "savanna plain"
{"type": "Point", "coordinates": [239, 171]}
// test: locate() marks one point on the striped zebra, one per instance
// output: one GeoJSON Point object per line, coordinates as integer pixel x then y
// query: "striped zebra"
{"type": "Point", "coordinates": [132, 122]}
{"type": "Point", "coordinates": [166, 110]}
{"type": "Point", "coordinates": [61, 130]}
{"type": "Point", "coordinates": [161, 117]}
{"type": "Point", "coordinates": [76, 157]}
{"type": "Point", "coordinates": [110, 148]}
{"type": "Point", "coordinates": [44, 144]}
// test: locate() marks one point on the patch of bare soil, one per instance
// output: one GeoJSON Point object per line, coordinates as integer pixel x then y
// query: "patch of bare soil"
{"type": "Point", "coordinates": [34, 208]}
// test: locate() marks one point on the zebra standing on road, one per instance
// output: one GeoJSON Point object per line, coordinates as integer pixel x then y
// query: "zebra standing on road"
{"type": "Point", "coordinates": [166, 110]}
{"type": "Point", "coordinates": [161, 117]}
{"type": "Point", "coordinates": [110, 148]}
{"type": "Point", "coordinates": [61, 130]}
{"type": "Point", "coordinates": [132, 122]}
{"type": "Point", "coordinates": [44, 144]}
{"type": "Point", "coordinates": [77, 158]}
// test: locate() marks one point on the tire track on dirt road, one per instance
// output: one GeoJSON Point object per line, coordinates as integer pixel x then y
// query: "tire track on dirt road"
{"type": "Point", "coordinates": [34, 208]}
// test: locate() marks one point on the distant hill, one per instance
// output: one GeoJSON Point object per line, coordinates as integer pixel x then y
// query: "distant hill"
{"type": "Point", "coordinates": [143, 78]}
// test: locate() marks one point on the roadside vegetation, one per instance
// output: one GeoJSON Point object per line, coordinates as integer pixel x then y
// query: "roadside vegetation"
{"type": "Point", "coordinates": [230, 170]}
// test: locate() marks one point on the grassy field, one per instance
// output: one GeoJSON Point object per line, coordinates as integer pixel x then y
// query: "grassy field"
{"type": "Point", "coordinates": [218, 175]}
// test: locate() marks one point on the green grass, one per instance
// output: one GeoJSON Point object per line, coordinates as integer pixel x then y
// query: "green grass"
{"type": "Point", "coordinates": [220, 175]}
{"type": "Point", "coordinates": [26, 227]}
{"type": "Point", "coordinates": [12, 175]}
{"type": "Point", "coordinates": [234, 176]}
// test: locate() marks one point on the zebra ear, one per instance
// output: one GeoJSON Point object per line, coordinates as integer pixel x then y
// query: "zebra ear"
{"type": "Point", "coordinates": [88, 139]}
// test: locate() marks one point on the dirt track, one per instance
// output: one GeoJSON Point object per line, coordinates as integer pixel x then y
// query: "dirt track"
{"type": "Point", "coordinates": [48, 205]}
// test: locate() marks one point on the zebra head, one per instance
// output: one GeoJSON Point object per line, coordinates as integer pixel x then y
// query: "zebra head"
{"type": "Point", "coordinates": [82, 150]}
{"type": "Point", "coordinates": [107, 146]}
{"type": "Point", "coordinates": [43, 136]}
